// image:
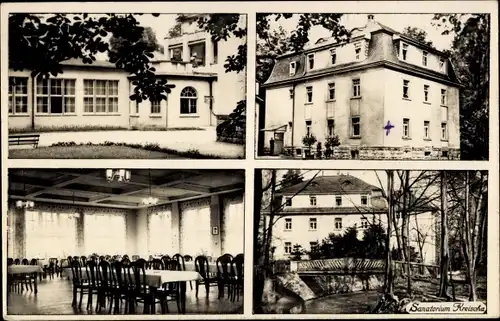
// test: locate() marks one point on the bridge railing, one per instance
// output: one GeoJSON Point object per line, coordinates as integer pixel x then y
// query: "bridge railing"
{"type": "Point", "coordinates": [339, 265]}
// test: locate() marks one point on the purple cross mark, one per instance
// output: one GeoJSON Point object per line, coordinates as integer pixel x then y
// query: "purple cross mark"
{"type": "Point", "coordinates": [388, 128]}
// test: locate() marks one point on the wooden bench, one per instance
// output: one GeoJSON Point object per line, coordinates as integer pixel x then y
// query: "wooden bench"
{"type": "Point", "coordinates": [24, 139]}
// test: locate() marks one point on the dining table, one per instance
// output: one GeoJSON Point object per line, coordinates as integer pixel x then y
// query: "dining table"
{"type": "Point", "coordinates": [26, 269]}
{"type": "Point", "coordinates": [155, 279]}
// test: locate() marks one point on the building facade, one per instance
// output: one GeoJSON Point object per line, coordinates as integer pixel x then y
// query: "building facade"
{"type": "Point", "coordinates": [97, 95]}
{"type": "Point", "coordinates": [383, 94]}
{"type": "Point", "coordinates": [332, 204]}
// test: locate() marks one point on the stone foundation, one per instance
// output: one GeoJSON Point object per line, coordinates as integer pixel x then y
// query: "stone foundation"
{"type": "Point", "coordinates": [343, 283]}
{"type": "Point", "coordinates": [388, 153]}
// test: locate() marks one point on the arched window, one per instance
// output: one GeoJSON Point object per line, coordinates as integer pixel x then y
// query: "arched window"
{"type": "Point", "coordinates": [188, 101]}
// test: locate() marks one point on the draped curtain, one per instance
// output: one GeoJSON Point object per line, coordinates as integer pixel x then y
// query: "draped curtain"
{"type": "Point", "coordinates": [233, 230]}
{"type": "Point", "coordinates": [195, 228]}
{"type": "Point", "coordinates": [160, 233]}
{"type": "Point", "coordinates": [50, 234]}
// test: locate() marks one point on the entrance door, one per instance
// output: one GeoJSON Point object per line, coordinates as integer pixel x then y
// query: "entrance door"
{"type": "Point", "coordinates": [278, 143]}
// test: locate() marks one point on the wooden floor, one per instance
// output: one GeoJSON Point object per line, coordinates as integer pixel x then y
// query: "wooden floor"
{"type": "Point", "coordinates": [55, 295]}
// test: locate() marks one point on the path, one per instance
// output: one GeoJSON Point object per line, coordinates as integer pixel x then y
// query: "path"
{"type": "Point", "coordinates": [182, 140]}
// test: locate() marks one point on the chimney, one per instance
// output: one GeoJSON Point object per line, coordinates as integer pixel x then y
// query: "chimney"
{"type": "Point", "coordinates": [166, 51]}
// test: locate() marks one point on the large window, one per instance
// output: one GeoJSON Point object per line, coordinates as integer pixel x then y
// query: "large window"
{"type": "Point", "coordinates": [338, 200]}
{"type": "Point", "coordinates": [188, 101]}
{"type": "Point", "coordinates": [196, 230]}
{"type": "Point", "coordinates": [331, 127]}
{"type": "Point", "coordinates": [355, 127]}
{"type": "Point", "coordinates": [443, 97]}
{"type": "Point", "coordinates": [308, 127]}
{"type": "Point", "coordinates": [406, 128]}
{"type": "Point", "coordinates": [288, 224]}
{"type": "Point", "coordinates": [364, 200]}
{"type": "Point", "coordinates": [309, 94]}
{"type": "Point", "coordinates": [333, 56]}
{"type": "Point", "coordinates": [424, 58]}
{"type": "Point", "coordinates": [55, 96]}
{"type": "Point", "coordinates": [234, 228]}
{"type": "Point", "coordinates": [18, 95]}
{"type": "Point", "coordinates": [160, 233]}
{"type": "Point", "coordinates": [288, 247]}
{"type": "Point", "coordinates": [426, 93]}
{"type": "Point", "coordinates": [444, 131]}
{"type": "Point", "coordinates": [427, 129]}
{"type": "Point", "coordinates": [105, 234]}
{"type": "Point", "coordinates": [331, 91]}
{"type": "Point", "coordinates": [155, 107]}
{"type": "Point", "coordinates": [406, 89]}
{"type": "Point", "coordinates": [50, 234]}
{"type": "Point", "coordinates": [310, 59]}
{"type": "Point", "coordinates": [100, 96]}
{"type": "Point", "coordinates": [338, 223]}
{"type": "Point", "coordinates": [312, 200]}
{"type": "Point", "coordinates": [313, 224]}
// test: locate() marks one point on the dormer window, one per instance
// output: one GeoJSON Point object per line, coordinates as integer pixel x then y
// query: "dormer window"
{"type": "Point", "coordinates": [364, 200]}
{"type": "Point", "coordinates": [293, 67]}
{"type": "Point", "coordinates": [288, 201]}
{"type": "Point", "coordinates": [441, 64]}
{"type": "Point", "coordinates": [424, 58]}
{"type": "Point", "coordinates": [404, 51]}
{"type": "Point", "coordinates": [333, 56]}
{"type": "Point", "coordinates": [358, 53]}
{"type": "Point", "coordinates": [310, 61]}
{"type": "Point", "coordinates": [312, 200]}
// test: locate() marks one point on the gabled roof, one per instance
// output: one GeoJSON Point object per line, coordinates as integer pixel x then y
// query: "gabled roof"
{"type": "Point", "coordinates": [339, 184]}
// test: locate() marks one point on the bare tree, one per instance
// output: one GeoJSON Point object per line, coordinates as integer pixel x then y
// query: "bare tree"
{"type": "Point", "coordinates": [444, 244]}
{"type": "Point", "coordinates": [388, 277]}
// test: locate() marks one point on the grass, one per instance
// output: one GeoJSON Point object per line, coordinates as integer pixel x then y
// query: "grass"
{"type": "Point", "coordinates": [94, 128]}
{"type": "Point", "coordinates": [106, 150]}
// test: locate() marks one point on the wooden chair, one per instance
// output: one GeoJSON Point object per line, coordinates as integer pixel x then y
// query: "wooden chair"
{"type": "Point", "coordinates": [104, 289]}
{"type": "Point", "coordinates": [224, 276]}
{"type": "Point", "coordinates": [156, 264]}
{"type": "Point", "coordinates": [91, 269]}
{"type": "Point", "coordinates": [208, 278]}
{"type": "Point", "coordinates": [181, 259]}
{"type": "Point", "coordinates": [141, 291]}
{"type": "Point", "coordinates": [237, 270]}
{"type": "Point", "coordinates": [79, 282]}
{"type": "Point", "coordinates": [188, 258]}
{"type": "Point", "coordinates": [171, 290]}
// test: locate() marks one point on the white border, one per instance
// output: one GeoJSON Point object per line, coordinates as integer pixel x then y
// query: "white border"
{"type": "Point", "coordinates": [250, 8]}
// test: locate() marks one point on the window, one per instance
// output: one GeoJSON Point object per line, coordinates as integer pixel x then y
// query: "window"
{"type": "Point", "coordinates": [364, 222]}
{"type": "Point", "coordinates": [136, 108]}
{"type": "Point", "coordinates": [364, 200]}
{"type": "Point", "coordinates": [50, 234]}
{"type": "Point", "coordinates": [159, 233]}
{"type": "Point", "coordinates": [426, 93]}
{"type": "Point", "coordinates": [312, 200]}
{"type": "Point", "coordinates": [288, 247]}
{"type": "Point", "coordinates": [100, 96]}
{"type": "Point", "coordinates": [215, 50]}
{"type": "Point", "coordinates": [406, 89]}
{"type": "Point", "coordinates": [313, 246]}
{"type": "Point", "coordinates": [55, 96]}
{"type": "Point", "coordinates": [404, 51]}
{"type": "Point", "coordinates": [338, 223]}
{"type": "Point", "coordinates": [443, 97]}
{"type": "Point", "coordinates": [105, 233]}
{"type": "Point", "coordinates": [406, 128]}
{"type": "Point", "coordinates": [331, 91]}
{"type": "Point", "coordinates": [444, 131]}
{"type": "Point", "coordinates": [333, 56]}
{"type": "Point", "coordinates": [308, 127]}
{"type": "Point", "coordinates": [356, 88]}
{"type": "Point", "coordinates": [293, 66]}
{"type": "Point", "coordinates": [355, 127]}
{"type": "Point", "coordinates": [441, 64]}
{"type": "Point", "coordinates": [358, 53]}
{"type": "Point", "coordinates": [288, 224]}
{"type": "Point", "coordinates": [155, 107]}
{"type": "Point", "coordinates": [331, 127]}
{"type": "Point", "coordinates": [426, 129]}
{"type": "Point", "coordinates": [310, 61]}
{"type": "Point", "coordinates": [309, 94]}
{"type": "Point", "coordinates": [291, 93]}
{"type": "Point", "coordinates": [313, 223]}
{"type": "Point", "coordinates": [188, 101]}
{"type": "Point", "coordinates": [18, 95]}
{"type": "Point", "coordinates": [288, 201]}
{"type": "Point", "coordinates": [424, 58]}
{"type": "Point", "coordinates": [338, 200]}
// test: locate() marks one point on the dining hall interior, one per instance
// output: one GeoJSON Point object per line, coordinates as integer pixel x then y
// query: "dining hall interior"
{"type": "Point", "coordinates": [125, 241]}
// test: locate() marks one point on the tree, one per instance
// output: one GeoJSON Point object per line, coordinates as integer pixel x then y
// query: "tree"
{"type": "Point", "coordinates": [373, 244]}
{"type": "Point", "coordinates": [41, 43]}
{"type": "Point", "coordinates": [175, 31]}
{"type": "Point", "coordinates": [297, 253]}
{"type": "Point", "coordinates": [389, 274]}
{"type": "Point", "coordinates": [444, 261]}
{"type": "Point", "coordinates": [470, 55]}
{"type": "Point", "coordinates": [418, 35]}
{"type": "Point", "coordinates": [291, 177]}
{"type": "Point", "coordinates": [148, 38]}
{"type": "Point", "coordinates": [276, 43]}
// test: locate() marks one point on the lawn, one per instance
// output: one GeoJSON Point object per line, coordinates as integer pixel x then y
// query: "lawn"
{"type": "Point", "coordinates": [84, 151]}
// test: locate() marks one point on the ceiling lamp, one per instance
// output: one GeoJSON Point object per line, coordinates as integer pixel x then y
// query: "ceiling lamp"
{"type": "Point", "coordinates": [148, 201]}
{"type": "Point", "coordinates": [25, 204]}
{"type": "Point", "coordinates": [120, 175]}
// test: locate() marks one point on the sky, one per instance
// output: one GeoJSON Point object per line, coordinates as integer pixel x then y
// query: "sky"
{"type": "Point", "coordinates": [395, 21]}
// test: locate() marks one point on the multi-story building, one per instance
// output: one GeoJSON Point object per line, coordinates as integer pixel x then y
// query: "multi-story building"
{"type": "Point", "coordinates": [384, 94]}
{"type": "Point", "coordinates": [97, 94]}
{"type": "Point", "coordinates": [331, 204]}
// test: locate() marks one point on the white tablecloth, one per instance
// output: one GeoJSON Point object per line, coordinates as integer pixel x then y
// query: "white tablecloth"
{"type": "Point", "coordinates": [16, 269]}
{"type": "Point", "coordinates": [154, 277]}
{"type": "Point", "coordinates": [212, 267]}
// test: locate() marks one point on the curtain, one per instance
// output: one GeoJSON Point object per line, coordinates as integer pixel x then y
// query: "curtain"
{"type": "Point", "coordinates": [105, 234]}
{"type": "Point", "coordinates": [196, 231]}
{"type": "Point", "coordinates": [50, 234]}
{"type": "Point", "coordinates": [233, 230]}
{"type": "Point", "coordinates": [160, 233]}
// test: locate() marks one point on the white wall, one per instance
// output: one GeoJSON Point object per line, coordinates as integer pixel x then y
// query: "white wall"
{"type": "Point", "coordinates": [348, 200]}
{"type": "Point", "coordinates": [414, 56]}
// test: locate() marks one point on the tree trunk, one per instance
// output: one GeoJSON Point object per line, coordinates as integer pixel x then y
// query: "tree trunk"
{"type": "Point", "coordinates": [406, 229]}
{"type": "Point", "coordinates": [444, 246]}
{"type": "Point", "coordinates": [388, 277]}
{"type": "Point", "coordinates": [268, 241]}
{"type": "Point", "coordinates": [258, 288]}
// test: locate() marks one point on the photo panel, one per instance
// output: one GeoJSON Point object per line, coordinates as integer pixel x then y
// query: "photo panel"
{"type": "Point", "coordinates": [106, 241]}
{"type": "Point", "coordinates": [373, 86]}
{"type": "Point", "coordinates": [370, 241]}
{"type": "Point", "coordinates": [126, 86]}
